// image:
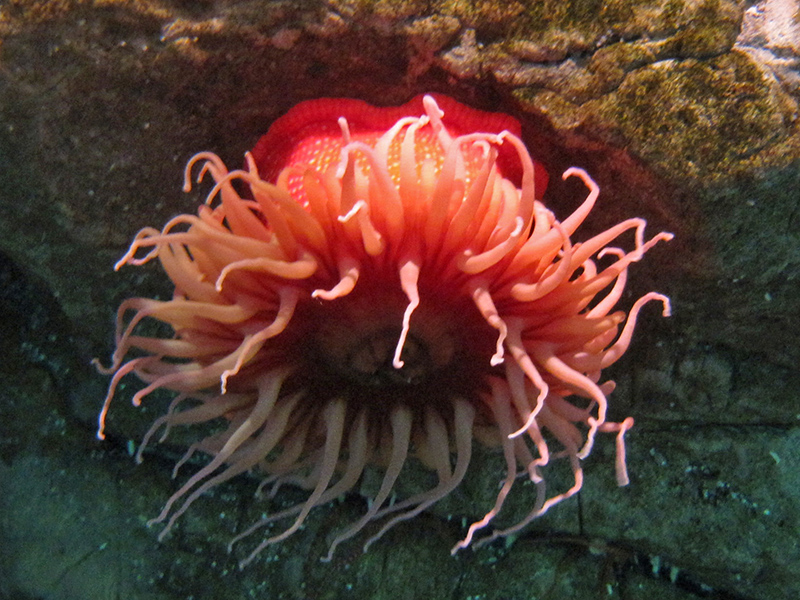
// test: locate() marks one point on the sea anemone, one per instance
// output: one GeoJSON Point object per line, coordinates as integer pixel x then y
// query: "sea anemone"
{"type": "Point", "coordinates": [377, 286]}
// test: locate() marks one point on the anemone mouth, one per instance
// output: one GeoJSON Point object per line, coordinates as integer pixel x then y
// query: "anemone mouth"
{"type": "Point", "coordinates": [348, 345]}
{"type": "Point", "coordinates": [368, 361]}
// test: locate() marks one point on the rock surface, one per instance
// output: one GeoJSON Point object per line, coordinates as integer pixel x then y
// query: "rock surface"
{"type": "Point", "coordinates": [685, 111]}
